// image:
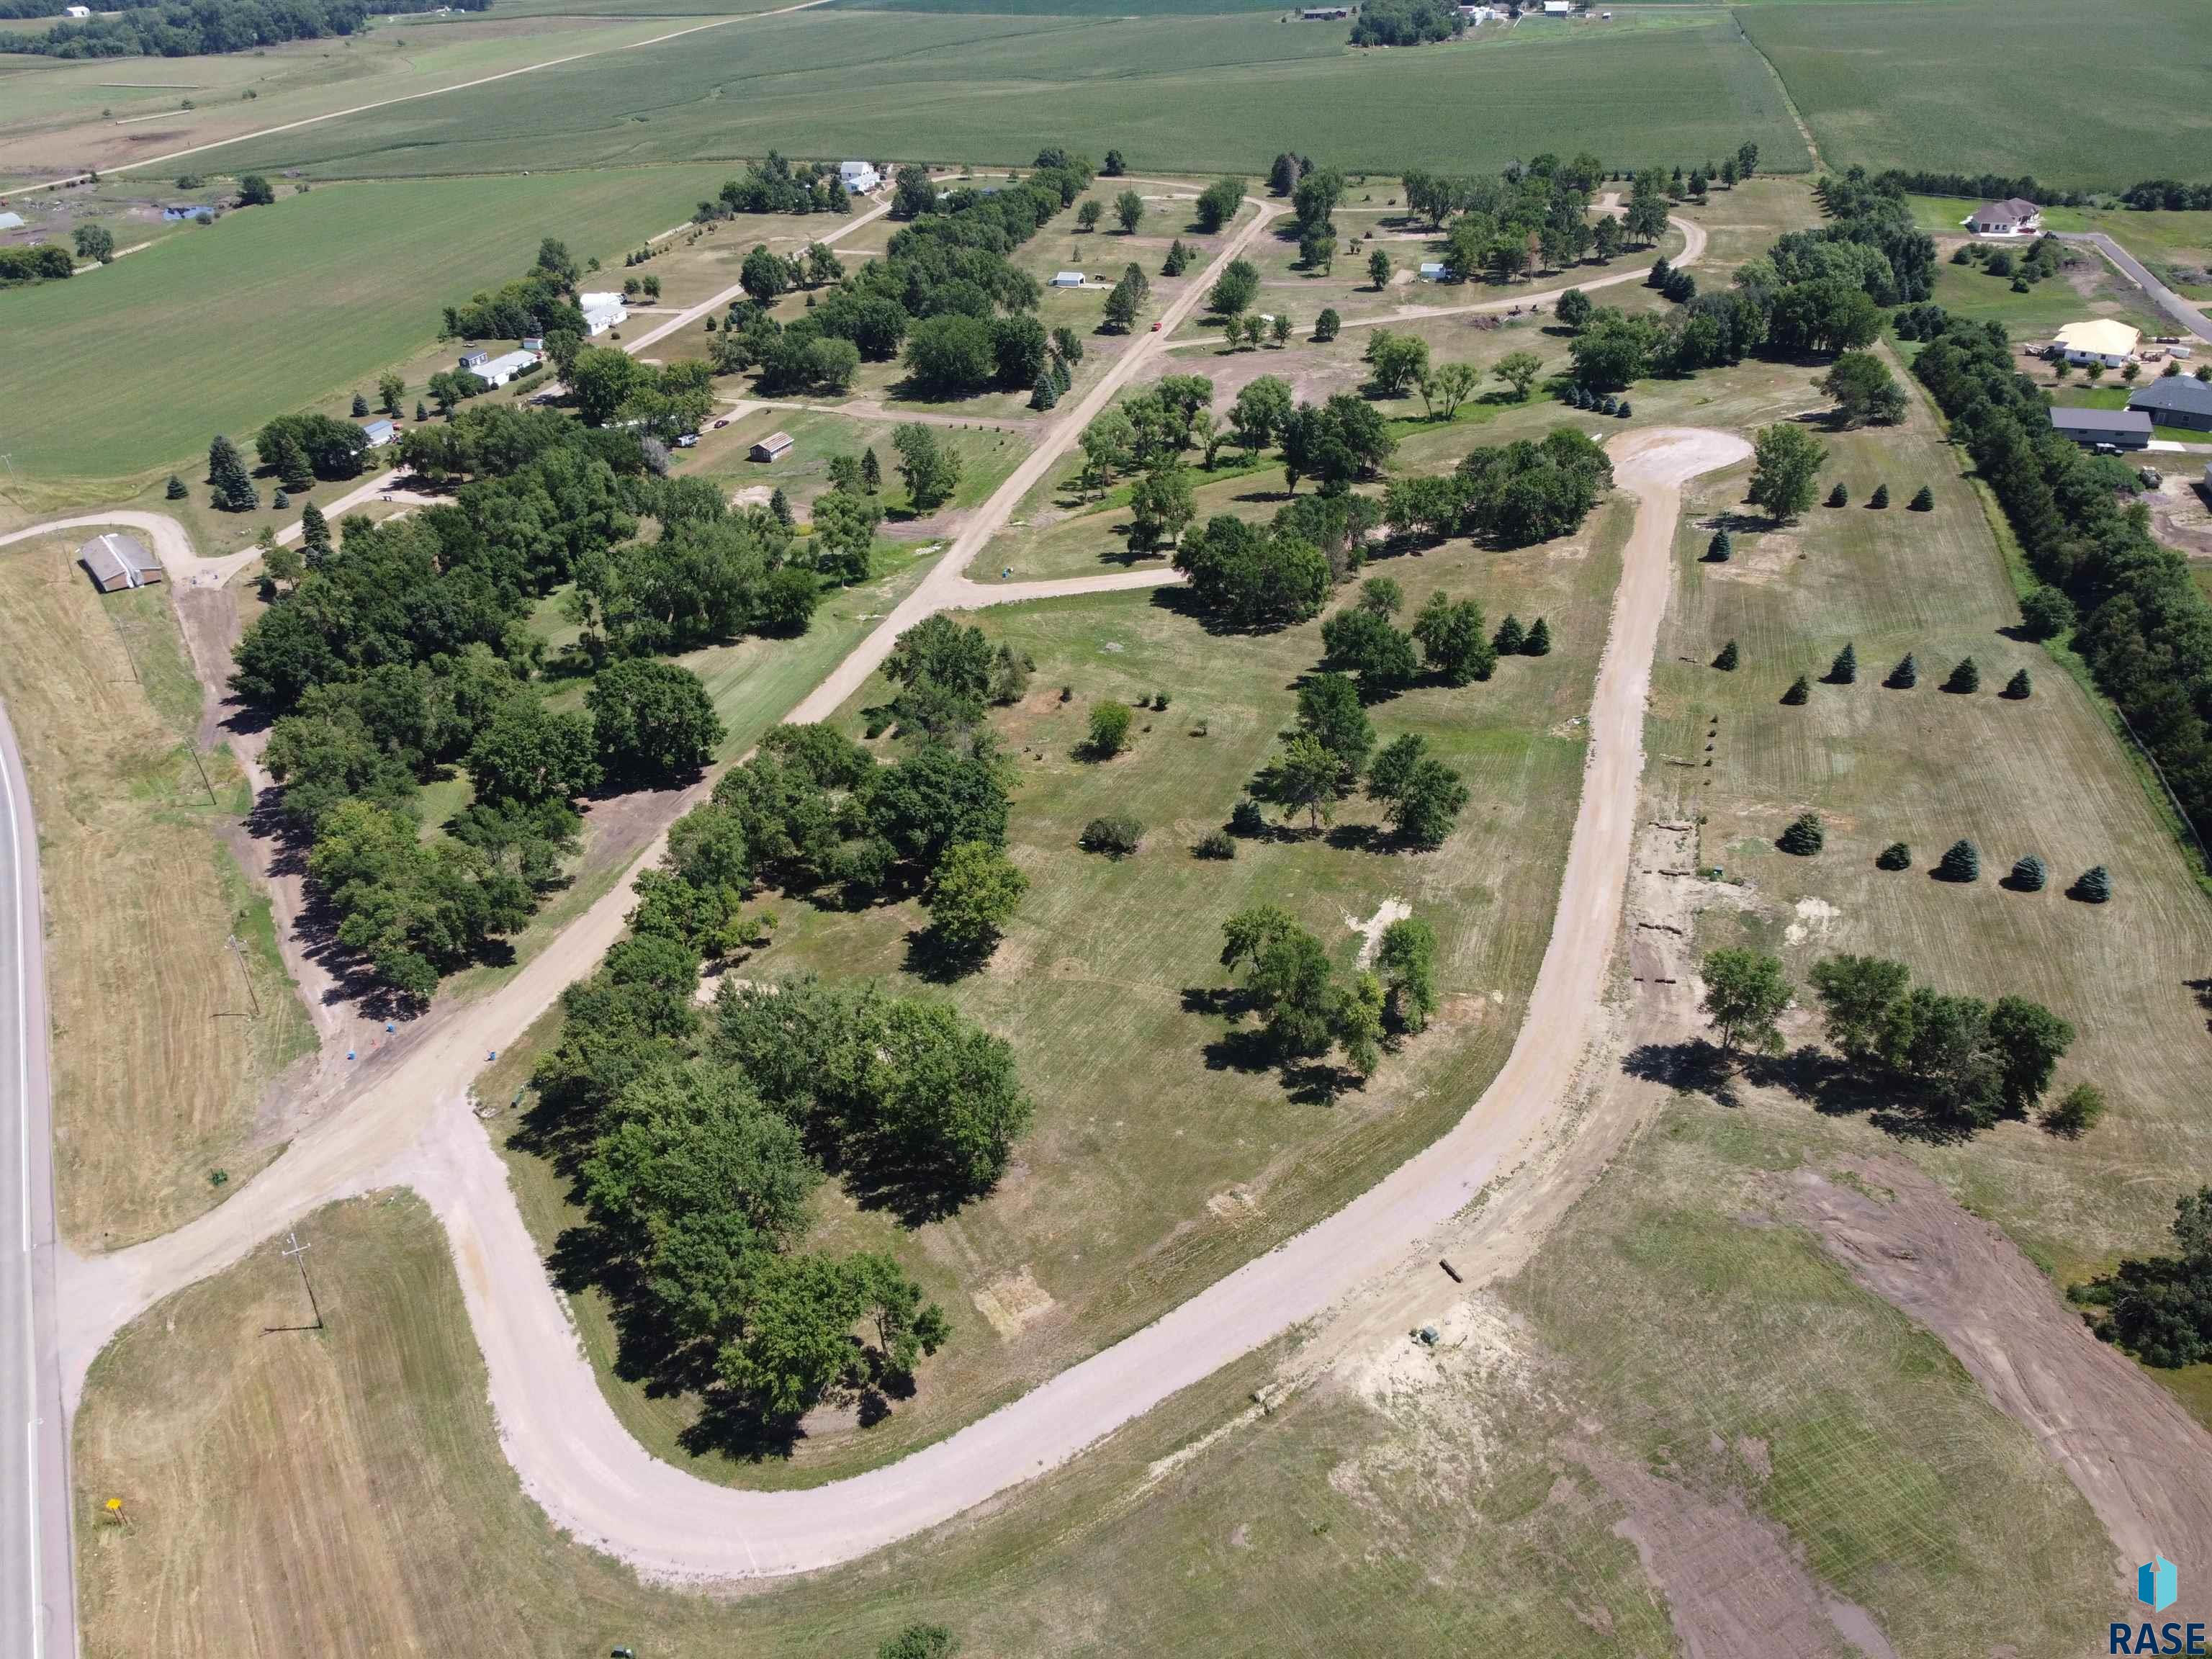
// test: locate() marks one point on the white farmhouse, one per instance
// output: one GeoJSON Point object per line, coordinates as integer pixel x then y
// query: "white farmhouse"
{"type": "Point", "coordinates": [859, 177]}
{"type": "Point", "coordinates": [2103, 341]}
{"type": "Point", "coordinates": [602, 312]}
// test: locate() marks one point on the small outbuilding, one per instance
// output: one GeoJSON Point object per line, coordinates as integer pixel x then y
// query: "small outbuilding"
{"type": "Point", "coordinates": [76, 11]}
{"type": "Point", "coordinates": [1433, 270]}
{"type": "Point", "coordinates": [1067, 279]}
{"type": "Point", "coordinates": [2181, 400]}
{"type": "Point", "coordinates": [115, 562]}
{"type": "Point", "coordinates": [11, 221]}
{"type": "Point", "coordinates": [2120, 428]}
{"type": "Point", "coordinates": [2013, 216]}
{"type": "Point", "coordinates": [773, 448]}
{"type": "Point", "coordinates": [378, 433]}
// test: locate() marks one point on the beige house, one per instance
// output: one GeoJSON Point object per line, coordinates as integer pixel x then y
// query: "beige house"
{"type": "Point", "coordinates": [2103, 341]}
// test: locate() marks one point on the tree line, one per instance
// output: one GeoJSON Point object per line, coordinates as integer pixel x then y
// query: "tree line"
{"type": "Point", "coordinates": [168, 29]}
{"type": "Point", "coordinates": [540, 302]}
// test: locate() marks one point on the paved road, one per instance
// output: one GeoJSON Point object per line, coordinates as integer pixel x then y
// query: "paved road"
{"type": "Point", "coordinates": [37, 1599]}
{"type": "Point", "coordinates": [2187, 315]}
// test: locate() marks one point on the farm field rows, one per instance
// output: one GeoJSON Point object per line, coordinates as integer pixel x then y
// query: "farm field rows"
{"type": "Point", "coordinates": [1186, 92]}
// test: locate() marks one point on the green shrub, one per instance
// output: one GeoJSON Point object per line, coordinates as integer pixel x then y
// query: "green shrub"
{"type": "Point", "coordinates": [1246, 818]}
{"type": "Point", "coordinates": [1895, 856]}
{"type": "Point", "coordinates": [1214, 844]}
{"type": "Point", "coordinates": [1962, 862]}
{"type": "Point", "coordinates": [1805, 835]}
{"type": "Point", "coordinates": [2075, 1115]}
{"type": "Point", "coordinates": [2095, 885]}
{"type": "Point", "coordinates": [2029, 875]}
{"type": "Point", "coordinates": [1904, 676]}
{"type": "Point", "coordinates": [176, 490]}
{"type": "Point", "coordinates": [1109, 728]}
{"type": "Point", "coordinates": [1113, 837]}
{"type": "Point", "coordinates": [1966, 677]}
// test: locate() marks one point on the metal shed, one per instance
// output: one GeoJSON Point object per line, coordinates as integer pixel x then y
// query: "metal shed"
{"type": "Point", "coordinates": [772, 447]}
{"type": "Point", "coordinates": [116, 562]}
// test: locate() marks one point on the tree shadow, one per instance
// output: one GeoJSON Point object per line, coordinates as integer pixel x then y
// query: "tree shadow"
{"type": "Point", "coordinates": [930, 958]}
{"type": "Point", "coordinates": [1691, 1066]}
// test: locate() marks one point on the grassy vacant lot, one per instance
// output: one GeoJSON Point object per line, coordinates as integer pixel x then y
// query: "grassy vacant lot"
{"type": "Point", "coordinates": [1183, 92]}
{"type": "Point", "coordinates": [988, 454]}
{"type": "Point", "coordinates": [2087, 288]}
{"type": "Point", "coordinates": [160, 1055]}
{"type": "Point", "coordinates": [2044, 775]}
{"type": "Point", "coordinates": [279, 306]}
{"type": "Point", "coordinates": [1162, 1155]}
{"type": "Point", "coordinates": [2177, 246]}
{"type": "Point", "coordinates": [1963, 87]}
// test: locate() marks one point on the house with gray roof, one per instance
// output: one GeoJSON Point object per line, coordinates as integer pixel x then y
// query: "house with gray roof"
{"type": "Point", "coordinates": [2121, 428]}
{"type": "Point", "coordinates": [2180, 400]}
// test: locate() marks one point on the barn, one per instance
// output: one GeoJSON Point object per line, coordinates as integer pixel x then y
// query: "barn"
{"type": "Point", "coordinates": [773, 448]}
{"type": "Point", "coordinates": [115, 562]}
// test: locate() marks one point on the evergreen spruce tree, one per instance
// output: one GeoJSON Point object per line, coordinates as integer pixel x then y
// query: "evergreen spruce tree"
{"type": "Point", "coordinates": [1510, 637]}
{"type": "Point", "coordinates": [1044, 394]}
{"type": "Point", "coordinates": [1839, 497]}
{"type": "Point", "coordinates": [2029, 875]}
{"type": "Point", "coordinates": [360, 405]}
{"type": "Point", "coordinates": [1923, 499]}
{"type": "Point", "coordinates": [176, 490]}
{"type": "Point", "coordinates": [1961, 863]}
{"type": "Point", "coordinates": [780, 504]}
{"type": "Point", "coordinates": [1801, 688]}
{"type": "Point", "coordinates": [2019, 687]}
{"type": "Point", "coordinates": [2095, 885]}
{"type": "Point", "coordinates": [1895, 856]}
{"type": "Point", "coordinates": [1623, 411]}
{"type": "Point", "coordinates": [421, 411]}
{"type": "Point", "coordinates": [1965, 677]}
{"type": "Point", "coordinates": [1539, 642]}
{"type": "Point", "coordinates": [315, 534]}
{"type": "Point", "coordinates": [1718, 549]}
{"type": "Point", "coordinates": [233, 490]}
{"type": "Point", "coordinates": [871, 472]}
{"type": "Point", "coordinates": [1904, 676]}
{"type": "Point", "coordinates": [280, 499]}
{"type": "Point", "coordinates": [1729, 657]}
{"type": "Point", "coordinates": [1880, 497]}
{"type": "Point", "coordinates": [1845, 671]}
{"type": "Point", "coordinates": [1805, 835]}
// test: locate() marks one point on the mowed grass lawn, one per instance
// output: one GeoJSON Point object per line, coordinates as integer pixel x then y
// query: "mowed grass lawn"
{"type": "Point", "coordinates": [1182, 92]}
{"type": "Point", "coordinates": [160, 1056]}
{"type": "Point", "coordinates": [2046, 776]}
{"type": "Point", "coordinates": [1967, 87]}
{"type": "Point", "coordinates": [136, 366]}
{"type": "Point", "coordinates": [1160, 1158]}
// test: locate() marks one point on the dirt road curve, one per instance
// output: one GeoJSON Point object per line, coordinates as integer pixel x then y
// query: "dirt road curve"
{"type": "Point", "coordinates": [578, 1461]}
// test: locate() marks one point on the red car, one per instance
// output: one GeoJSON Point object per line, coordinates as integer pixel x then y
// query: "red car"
{"type": "Point", "coordinates": [1156, 328]}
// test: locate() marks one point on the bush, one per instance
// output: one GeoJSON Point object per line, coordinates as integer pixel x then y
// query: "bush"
{"type": "Point", "coordinates": [1113, 837]}
{"type": "Point", "coordinates": [1904, 676]}
{"type": "Point", "coordinates": [2093, 886]}
{"type": "Point", "coordinates": [1923, 500]}
{"type": "Point", "coordinates": [1805, 835]}
{"type": "Point", "coordinates": [1109, 728]}
{"type": "Point", "coordinates": [1718, 550]}
{"type": "Point", "coordinates": [1801, 688]}
{"type": "Point", "coordinates": [1895, 856]}
{"type": "Point", "coordinates": [1839, 497]}
{"type": "Point", "coordinates": [1880, 497]}
{"type": "Point", "coordinates": [1966, 677]}
{"type": "Point", "coordinates": [1962, 862]}
{"type": "Point", "coordinates": [176, 490]}
{"type": "Point", "coordinates": [1729, 657]}
{"type": "Point", "coordinates": [2045, 613]}
{"type": "Point", "coordinates": [1214, 844]}
{"type": "Point", "coordinates": [2020, 688]}
{"type": "Point", "coordinates": [2075, 1115]}
{"type": "Point", "coordinates": [2029, 875]}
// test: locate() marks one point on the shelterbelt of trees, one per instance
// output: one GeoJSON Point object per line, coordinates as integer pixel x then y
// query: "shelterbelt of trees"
{"type": "Point", "coordinates": [166, 29]}
{"type": "Point", "coordinates": [403, 652]}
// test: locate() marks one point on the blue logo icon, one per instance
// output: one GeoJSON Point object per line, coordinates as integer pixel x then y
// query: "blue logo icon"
{"type": "Point", "coordinates": [2155, 1583]}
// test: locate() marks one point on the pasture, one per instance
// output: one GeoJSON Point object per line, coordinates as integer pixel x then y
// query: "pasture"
{"type": "Point", "coordinates": [272, 308]}
{"type": "Point", "coordinates": [1189, 93]}
{"type": "Point", "coordinates": [1925, 86]}
{"type": "Point", "coordinates": [164, 1036]}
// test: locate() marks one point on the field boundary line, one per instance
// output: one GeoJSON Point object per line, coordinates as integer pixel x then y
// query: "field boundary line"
{"type": "Point", "coordinates": [1789, 102]}
{"type": "Point", "coordinates": [434, 91]}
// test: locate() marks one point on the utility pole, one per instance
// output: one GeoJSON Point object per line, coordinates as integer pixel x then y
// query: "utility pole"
{"type": "Point", "coordinates": [239, 951]}
{"type": "Point", "coordinates": [298, 1252]}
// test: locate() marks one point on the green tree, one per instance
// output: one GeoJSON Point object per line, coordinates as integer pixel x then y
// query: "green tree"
{"type": "Point", "coordinates": [1519, 370]}
{"type": "Point", "coordinates": [389, 388]}
{"type": "Point", "coordinates": [315, 534]}
{"type": "Point", "coordinates": [1109, 728]}
{"type": "Point", "coordinates": [1406, 958]}
{"type": "Point", "coordinates": [1235, 289]}
{"type": "Point", "coordinates": [1746, 991]}
{"type": "Point", "coordinates": [1129, 211]}
{"type": "Point", "coordinates": [1804, 835]}
{"type": "Point", "coordinates": [797, 1343]}
{"type": "Point", "coordinates": [1088, 215]}
{"type": "Point", "coordinates": [1845, 670]}
{"type": "Point", "coordinates": [1330, 710]}
{"type": "Point", "coordinates": [95, 242]}
{"type": "Point", "coordinates": [1326, 324]}
{"type": "Point", "coordinates": [2020, 687]}
{"type": "Point", "coordinates": [1962, 861]}
{"type": "Point", "coordinates": [1162, 505]}
{"type": "Point", "coordinates": [1895, 856]}
{"type": "Point", "coordinates": [653, 722]}
{"type": "Point", "coordinates": [1787, 468]}
{"type": "Point", "coordinates": [931, 469]}
{"type": "Point", "coordinates": [1857, 994]}
{"type": "Point", "coordinates": [2094, 885]}
{"type": "Point", "coordinates": [1378, 270]}
{"type": "Point", "coordinates": [254, 191]}
{"type": "Point", "coordinates": [1864, 391]}
{"type": "Point", "coordinates": [1446, 386]}
{"type": "Point", "coordinates": [976, 891]}
{"type": "Point", "coordinates": [1904, 676]}
{"type": "Point", "coordinates": [1397, 361]}
{"type": "Point", "coordinates": [2030, 874]}
{"type": "Point", "coordinates": [604, 378]}
{"type": "Point", "coordinates": [2077, 1114]}
{"type": "Point", "coordinates": [845, 524]}
{"type": "Point", "coordinates": [1262, 411]}
{"type": "Point", "coordinates": [1799, 694]}
{"type": "Point", "coordinates": [1450, 633]}
{"type": "Point", "coordinates": [1728, 658]}
{"type": "Point", "coordinates": [926, 1641]}
{"type": "Point", "coordinates": [1217, 203]}
{"type": "Point", "coordinates": [232, 484]}
{"type": "Point", "coordinates": [527, 753]}
{"type": "Point", "coordinates": [1421, 796]}
{"type": "Point", "coordinates": [1305, 778]}
{"type": "Point", "coordinates": [1923, 499]}
{"type": "Point", "coordinates": [1718, 549]}
{"type": "Point", "coordinates": [1965, 678]}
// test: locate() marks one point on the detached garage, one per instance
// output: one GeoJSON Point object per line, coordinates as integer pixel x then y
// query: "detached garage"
{"type": "Point", "coordinates": [115, 562]}
{"type": "Point", "coordinates": [774, 448]}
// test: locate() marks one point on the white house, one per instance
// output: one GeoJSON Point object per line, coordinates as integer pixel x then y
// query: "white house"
{"type": "Point", "coordinates": [1067, 279]}
{"type": "Point", "coordinates": [1558, 8]}
{"type": "Point", "coordinates": [2103, 341]}
{"type": "Point", "coordinates": [498, 371]}
{"type": "Point", "coordinates": [2010, 217]}
{"type": "Point", "coordinates": [602, 312]}
{"type": "Point", "coordinates": [859, 177]}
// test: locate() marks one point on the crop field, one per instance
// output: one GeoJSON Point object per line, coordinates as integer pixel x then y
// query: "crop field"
{"type": "Point", "coordinates": [1185, 93]}
{"type": "Point", "coordinates": [1925, 86]}
{"type": "Point", "coordinates": [2046, 776]}
{"type": "Point", "coordinates": [1123, 1200]}
{"type": "Point", "coordinates": [315, 292]}
{"type": "Point", "coordinates": [160, 1054]}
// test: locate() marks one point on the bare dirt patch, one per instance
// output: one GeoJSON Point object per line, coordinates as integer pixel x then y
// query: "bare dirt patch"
{"type": "Point", "coordinates": [2143, 1463]}
{"type": "Point", "coordinates": [1012, 1304]}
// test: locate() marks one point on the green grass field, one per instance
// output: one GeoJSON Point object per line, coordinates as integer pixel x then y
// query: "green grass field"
{"type": "Point", "coordinates": [1971, 86]}
{"type": "Point", "coordinates": [138, 365]}
{"type": "Point", "coordinates": [1185, 93]}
